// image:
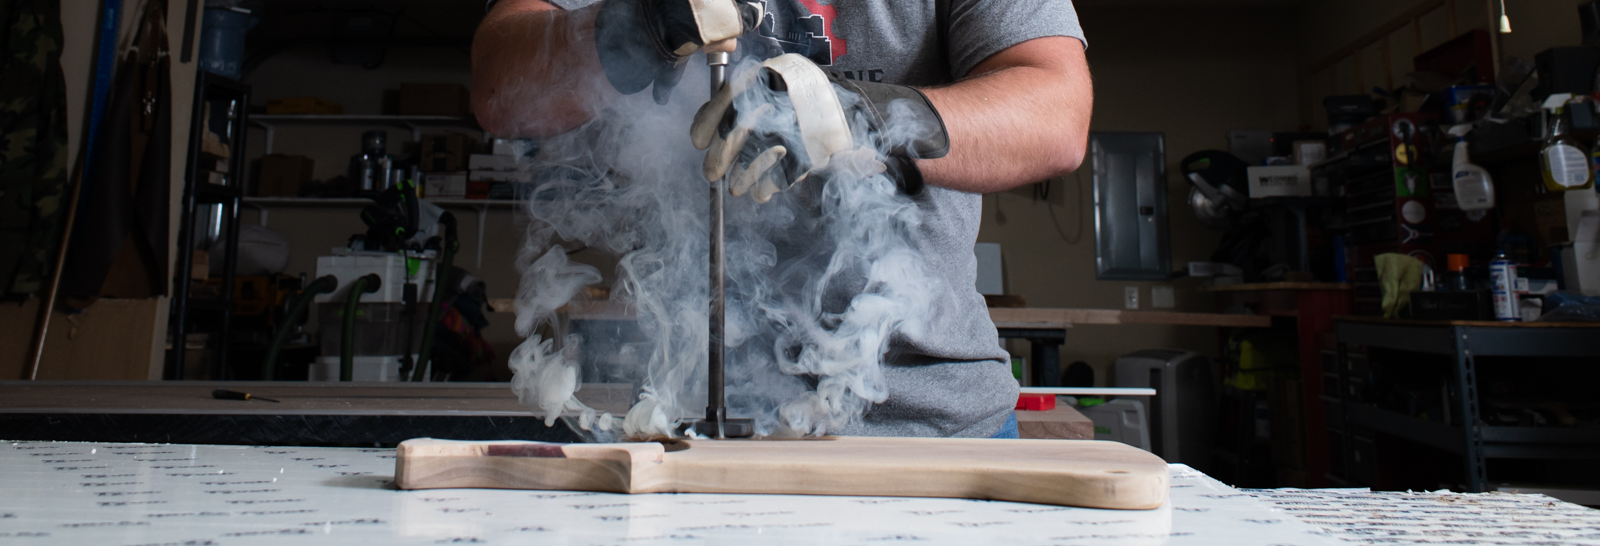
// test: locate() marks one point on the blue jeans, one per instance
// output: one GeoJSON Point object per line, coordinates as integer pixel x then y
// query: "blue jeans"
{"type": "Point", "coordinates": [1008, 430]}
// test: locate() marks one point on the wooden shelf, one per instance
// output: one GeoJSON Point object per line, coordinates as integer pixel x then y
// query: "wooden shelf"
{"type": "Point", "coordinates": [1279, 286]}
{"type": "Point", "coordinates": [1066, 318]}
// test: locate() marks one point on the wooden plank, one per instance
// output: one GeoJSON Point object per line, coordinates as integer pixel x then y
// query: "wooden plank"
{"type": "Point", "coordinates": [154, 397]}
{"type": "Point", "coordinates": [1416, 34]}
{"type": "Point", "coordinates": [1279, 286]}
{"type": "Point", "coordinates": [1070, 473]}
{"type": "Point", "coordinates": [1450, 17]}
{"type": "Point", "coordinates": [112, 339]}
{"type": "Point", "coordinates": [577, 310]}
{"type": "Point", "coordinates": [1361, 72]}
{"type": "Point", "coordinates": [1034, 317]}
{"type": "Point", "coordinates": [1388, 64]}
{"type": "Point", "coordinates": [1062, 423]}
{"type": "Point", "coordinates": [1003, 317]}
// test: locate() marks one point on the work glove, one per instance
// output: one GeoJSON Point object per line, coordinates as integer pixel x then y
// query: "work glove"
{"type": "Point", "coordinates": [648, 41]}
{"type": "Point", "coordinates": [788, 120]}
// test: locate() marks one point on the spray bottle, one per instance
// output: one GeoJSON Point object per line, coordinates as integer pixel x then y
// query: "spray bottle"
{"type": "Point", "coordinates": [1563, 162]}
{"type": "Point", "coordinates": [1474, 187]}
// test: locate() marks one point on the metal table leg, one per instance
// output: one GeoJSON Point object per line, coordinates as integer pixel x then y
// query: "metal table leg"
{"type": "Point", "coordinates": [1046, 342]}
{"type": "Point", "coordinates": [1467, 408]}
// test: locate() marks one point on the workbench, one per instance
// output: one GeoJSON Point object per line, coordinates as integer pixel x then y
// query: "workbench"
{"type": "Point", "coordinates": [1464, 342]}
{"type": "Point", "coordinates": [309, 414]}
{"type": "Point", "coordinates": [1046, 329]}
{"type": "Point", "coordinates": [327, 413]}
{"type": "Point", "coordinates": [1312, 306]}
{"type": "Point", "coordinates": [118, 493]}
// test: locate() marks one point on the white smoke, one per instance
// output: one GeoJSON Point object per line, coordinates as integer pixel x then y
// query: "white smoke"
{"type": "Point", "coordinates": [820, 279]}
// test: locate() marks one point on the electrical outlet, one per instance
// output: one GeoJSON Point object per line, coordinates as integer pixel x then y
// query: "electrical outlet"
{"type": "Point", "coordinates": [1162, 296]}
{"type": "Point", "coordinates": [1130, 297]}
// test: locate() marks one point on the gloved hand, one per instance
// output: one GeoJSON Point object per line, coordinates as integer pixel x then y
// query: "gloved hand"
{"type": "Point", "coordinates": [645, 41]}
{"type": "Point", "coordinates": [787, 120]}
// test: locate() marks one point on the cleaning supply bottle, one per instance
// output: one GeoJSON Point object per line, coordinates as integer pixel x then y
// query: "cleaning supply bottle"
{"type": "Point", "coordinates": [1474, 187]}
{"type": "Point", "coordinates": [1455, 277]}
{"type": "Point", "coordinates": [1563, 162]}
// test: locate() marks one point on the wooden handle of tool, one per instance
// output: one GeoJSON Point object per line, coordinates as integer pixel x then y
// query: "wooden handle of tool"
{"type": "Point", "coordinates": [721, 46]}
{"type": "Point", "coordinates": [426, 463]}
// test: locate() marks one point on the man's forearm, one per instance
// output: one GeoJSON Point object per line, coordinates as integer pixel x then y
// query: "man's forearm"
{"type": "Point", "coordinates": [1023, 118]}
{"type": "Point", "coordinates": [535, 72]}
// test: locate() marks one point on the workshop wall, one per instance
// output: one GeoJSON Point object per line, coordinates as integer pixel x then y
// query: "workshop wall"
{"type": "Point", "coordinates": [1192, 73]}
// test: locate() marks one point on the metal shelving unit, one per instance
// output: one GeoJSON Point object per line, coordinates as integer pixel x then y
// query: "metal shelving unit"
{"type": "Point", "coordinates": [1467, 435]}
{"type": "Point", "coordinates": [230, 100]}
{"type": "Point", "coordinates": [264, 205]}
{"type": "Point", "coordinates": [415, 124]}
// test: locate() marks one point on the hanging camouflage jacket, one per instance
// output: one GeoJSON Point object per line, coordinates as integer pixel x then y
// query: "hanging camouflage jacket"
{"type": "Point", "coordinates": [33, 143]}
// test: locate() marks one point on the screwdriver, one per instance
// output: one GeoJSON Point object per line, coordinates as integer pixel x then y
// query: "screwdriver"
{"type": "Point", "coordinates": [225, 394]}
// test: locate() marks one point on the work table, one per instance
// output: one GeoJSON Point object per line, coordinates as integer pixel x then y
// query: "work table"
{"type": "Point", "coordinates": [324, 413]}
{"type": "Point", "coordinates": [108, 493]}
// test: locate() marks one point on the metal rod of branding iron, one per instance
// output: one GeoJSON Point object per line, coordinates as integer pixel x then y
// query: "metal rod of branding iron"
{"type": "Point", "coordinates": [715, 412]}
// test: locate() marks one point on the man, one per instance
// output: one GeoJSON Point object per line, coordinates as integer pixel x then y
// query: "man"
{"type": "Point", "coordinates": [1007, 80]}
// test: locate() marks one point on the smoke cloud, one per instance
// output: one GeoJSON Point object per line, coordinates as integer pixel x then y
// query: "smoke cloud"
{"type": "Point", "coordinates": [821, 279]}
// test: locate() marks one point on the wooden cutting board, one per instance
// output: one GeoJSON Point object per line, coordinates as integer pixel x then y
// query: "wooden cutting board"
{"type": "Point", "coordinates": [1063, 472]}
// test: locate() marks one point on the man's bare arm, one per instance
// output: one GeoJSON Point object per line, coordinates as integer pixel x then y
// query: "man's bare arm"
{"type": "Point", "coordinates": [1022, 116]}
{"type": "Point", "coordinates": [535, 72]}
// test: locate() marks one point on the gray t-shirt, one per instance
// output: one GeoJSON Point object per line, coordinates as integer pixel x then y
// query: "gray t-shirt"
{"type": "Point", "coordinates": [953, 379]}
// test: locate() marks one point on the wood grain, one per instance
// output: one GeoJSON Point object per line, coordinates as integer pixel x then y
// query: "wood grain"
{"type": "Point", "coordinates": [1260, 286]}
{"type": "Point", "coordinates": [1069, 473]}
{"type": "Point", "coordinates": [1033, 317]}
{"type": "Point", "coordinates": [1062, 423]}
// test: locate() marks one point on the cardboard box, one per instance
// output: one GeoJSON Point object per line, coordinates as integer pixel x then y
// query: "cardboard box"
{"type": "Point", "coordinates": [304, 105]}
{"type": "Point", "coordinates": [442, 152]}
{"type": "Point", "coordinates": [444, 185]}
{"type": "Point", "coordinates": [1280, 181]}
{"type": "Point", "coordinates": [283, 175]}
{"type": "Point", "coordinates": [199, 265]}
{"type": "Point", "coordinates": [433, 99]}
{"type": "Point", "coordinates": [487, 162]}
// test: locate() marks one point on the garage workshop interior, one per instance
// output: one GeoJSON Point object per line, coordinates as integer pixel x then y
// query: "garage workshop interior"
{"type": "Point", "coordinates": [1245, 272]}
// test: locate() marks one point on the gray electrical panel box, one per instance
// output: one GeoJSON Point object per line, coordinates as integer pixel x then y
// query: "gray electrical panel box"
{"type": "Point", "coordinates": [1130, 206]}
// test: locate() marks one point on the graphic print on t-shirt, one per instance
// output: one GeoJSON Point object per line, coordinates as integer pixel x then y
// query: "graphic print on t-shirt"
{"type": "Point", "coordinates": [804, 27]}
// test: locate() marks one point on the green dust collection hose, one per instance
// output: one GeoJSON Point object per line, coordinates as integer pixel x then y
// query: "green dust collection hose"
{"type": "Point", "coordinates": [323, 285]}
{"type": "Point", "coordinates": [367, 284]}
